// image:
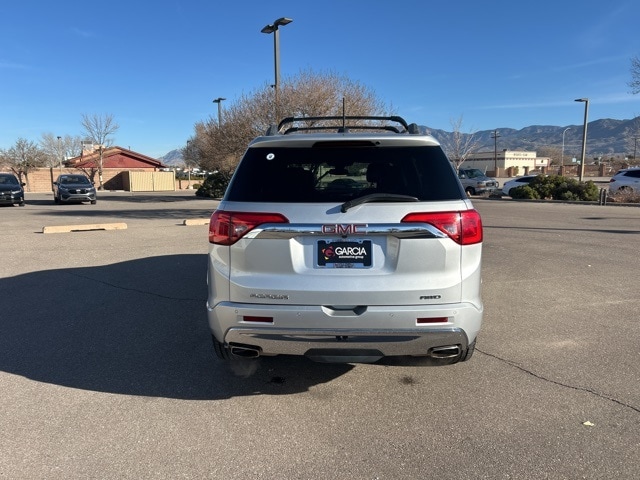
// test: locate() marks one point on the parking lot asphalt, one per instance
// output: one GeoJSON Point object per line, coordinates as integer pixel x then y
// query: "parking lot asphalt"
{"type": "Point", "coordinates": [106, 367]}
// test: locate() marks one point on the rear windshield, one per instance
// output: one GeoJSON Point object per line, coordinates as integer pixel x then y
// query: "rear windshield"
{"type": "Point", "coordinates": [339, 174]}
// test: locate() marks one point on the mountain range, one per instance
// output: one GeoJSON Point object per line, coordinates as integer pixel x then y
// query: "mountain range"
{"type": "Point", "coordinates": [605, 137]}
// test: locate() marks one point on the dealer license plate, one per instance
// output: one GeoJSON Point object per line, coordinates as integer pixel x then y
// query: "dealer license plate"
{"type": "Point", "coordinates": [341, 254]}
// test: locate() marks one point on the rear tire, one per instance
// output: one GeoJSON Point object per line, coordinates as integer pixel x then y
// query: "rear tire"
{"type": "Point", "coordinates": [221, 351]}
{"type": "Point", "coordinates": [469, 353]}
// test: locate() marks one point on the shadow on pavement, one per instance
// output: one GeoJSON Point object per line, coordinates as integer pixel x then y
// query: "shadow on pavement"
{"type": "Point", "coordinates": [136, 328]}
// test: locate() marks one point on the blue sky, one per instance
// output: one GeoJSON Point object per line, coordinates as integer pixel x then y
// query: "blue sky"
{"type": "Point", "coordinates": [157, 66]}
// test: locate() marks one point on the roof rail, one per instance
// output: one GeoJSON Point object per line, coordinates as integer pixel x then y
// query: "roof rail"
{"type": "Point", "coordinates": [272, 130]}
{"type": "Point", "coordinates": [343, 127]}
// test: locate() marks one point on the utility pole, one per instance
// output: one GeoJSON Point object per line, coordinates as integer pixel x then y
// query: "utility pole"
{"type": "Point", "coordinates": [495, 135]}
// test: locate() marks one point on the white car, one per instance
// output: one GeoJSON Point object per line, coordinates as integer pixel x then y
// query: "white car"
{"type": "Point", "coordinates": [345, 247]}
{"type": "Point", "coordinates": [516, 182]}
{"type": "Point", "coordinates": [625, 180]}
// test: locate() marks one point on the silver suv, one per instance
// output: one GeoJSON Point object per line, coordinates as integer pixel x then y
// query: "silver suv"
{"type": "Point", "coordinates": [345, 247]}
{"type": "Point", "coordinates": [475, 182]}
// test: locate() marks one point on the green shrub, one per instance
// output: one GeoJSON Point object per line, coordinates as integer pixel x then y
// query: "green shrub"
{"type": "Point", "coordinates": [524, 191]}
{"type": "Point", "coordinates": [556, 187]}
{"type": "Point", "coordinates": [214, 186]}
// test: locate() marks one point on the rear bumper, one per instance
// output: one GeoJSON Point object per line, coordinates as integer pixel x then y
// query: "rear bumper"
{"type": "Point", "coordinates": [346, 343]}
{"type": "Point", "coordinates": [372, 332]}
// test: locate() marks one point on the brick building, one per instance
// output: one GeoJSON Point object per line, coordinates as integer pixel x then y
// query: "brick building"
{"type": "Point", "coordinates": [117, 166]}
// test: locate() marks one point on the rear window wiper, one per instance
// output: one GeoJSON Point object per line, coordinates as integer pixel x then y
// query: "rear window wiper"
{"type": "Point", "coordinates": [377, 197]}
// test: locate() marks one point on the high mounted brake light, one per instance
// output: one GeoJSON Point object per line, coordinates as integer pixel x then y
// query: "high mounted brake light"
{"type": "Point", "coordinates": [463, 227]}
{"type": "Point", "coordinates": [226, 228]}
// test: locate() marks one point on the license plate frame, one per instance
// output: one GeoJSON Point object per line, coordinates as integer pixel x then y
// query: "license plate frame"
{"type": "Point", "coordinates": [344, 253]}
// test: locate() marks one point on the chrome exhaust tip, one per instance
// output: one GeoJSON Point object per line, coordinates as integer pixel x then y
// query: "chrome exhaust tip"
{"type": "Point", "coordinates": [245, 352]}
{"type": "Point", "coordinates": [449, 351]}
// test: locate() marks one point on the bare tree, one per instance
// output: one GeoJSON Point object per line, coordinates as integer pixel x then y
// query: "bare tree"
{"type": "Point", "coordinates": [635, 75]}
{"type": "Point", "coordinates": [219, 147]}
{"type": "Point", "coordinates": [52, 148]}
{"type": "Point", "coordinates": [458, 146]}
{"type": "Point", "coordinates": [23, 157]}
{"type": "Point", "coordinates": [58, 148]}
{"type": "Point", "coordinates": [99, 128]}
{"type": "Point", "coordinates": [311, 94]}
{"type": "Point", "coordinates": [552, 151]}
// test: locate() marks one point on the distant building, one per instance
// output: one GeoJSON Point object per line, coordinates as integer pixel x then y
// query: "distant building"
{"type": "Point", "coordinates": [123, 169]}
{"type": "Point", "coordinates": [114, 157]}
{"type": "Point", "coordinates": [517, 160]}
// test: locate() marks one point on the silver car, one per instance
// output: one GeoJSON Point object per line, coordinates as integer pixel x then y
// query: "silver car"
{"type": "Point", "coordinates": [345, 247]}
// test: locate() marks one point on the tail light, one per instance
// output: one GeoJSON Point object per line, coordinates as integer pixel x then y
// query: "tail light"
{"type": "Point", "coordinates": [463, 227]}
{"type": "Point", "coordinates": [226, 228]}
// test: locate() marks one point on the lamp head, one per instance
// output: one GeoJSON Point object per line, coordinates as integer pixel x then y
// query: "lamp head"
{"type": "Point", "coordinates": [283, 21]}
{"type": "Point", "coordinates": [274, 26]}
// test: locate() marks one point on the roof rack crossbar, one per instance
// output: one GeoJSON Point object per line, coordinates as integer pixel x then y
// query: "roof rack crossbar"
{"type": "Point", "coordinates": [389, 128]}
{"type": "Point", "coordinates": [342, 119]}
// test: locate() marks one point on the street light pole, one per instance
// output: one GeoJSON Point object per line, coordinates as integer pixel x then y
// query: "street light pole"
{"type": "Point", "coordinates": [565, 131]}
{"type": "Point", "coordinates": [495, 135]}
{"type": "Point", "coordinates": [60, 154]}
{"type": "Point", "coordinates": [188, 165]}
{"type": "Point", "coordinates": [219, 102]}
{"type": "Point", "coordinates": [584, 135]}
{"type": "Point", "coordinates": [273, 28]}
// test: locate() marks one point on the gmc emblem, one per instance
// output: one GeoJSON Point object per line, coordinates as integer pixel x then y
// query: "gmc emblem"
{"type": "Point", "coordinates": [339, 229]}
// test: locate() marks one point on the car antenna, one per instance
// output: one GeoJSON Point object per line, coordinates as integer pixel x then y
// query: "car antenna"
{"type": "Point", "coordinates": [344, 118]}
{"type": "Point", "coordinates": [344, 115]}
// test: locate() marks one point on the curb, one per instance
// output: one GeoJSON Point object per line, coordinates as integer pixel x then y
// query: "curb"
{"type": "Point", "coordinates": [84, 228]}
{"type": "Point", "coordinates": [196, 221]}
